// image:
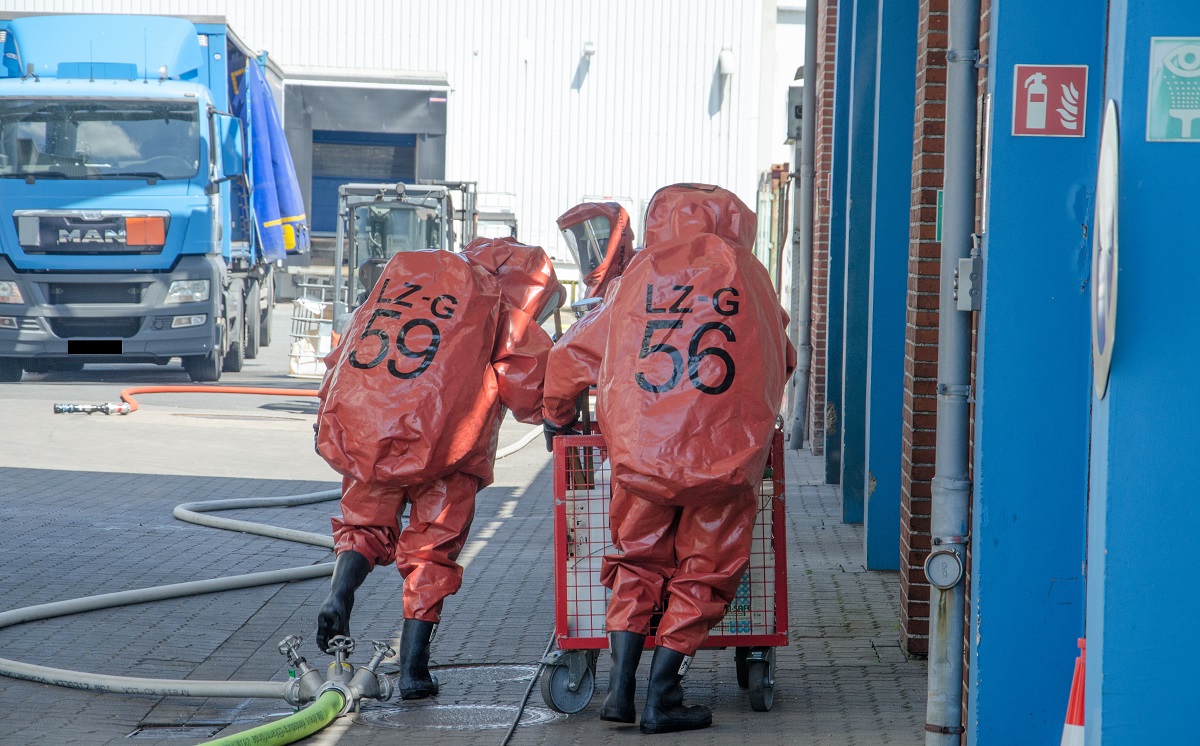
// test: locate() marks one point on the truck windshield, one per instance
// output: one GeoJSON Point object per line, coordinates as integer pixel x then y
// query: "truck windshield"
{"type": "Point", "coordinates": [99, 139]}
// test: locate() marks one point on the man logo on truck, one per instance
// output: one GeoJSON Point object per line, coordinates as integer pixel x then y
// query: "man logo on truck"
{"type": "Point", "coordinates": [91, 236]}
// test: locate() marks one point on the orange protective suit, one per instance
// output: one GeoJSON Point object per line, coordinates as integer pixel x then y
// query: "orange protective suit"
{"type": "Point", "coordinates": [617, 250]}
{"type": "Point", "coordinates": [690, 355]}
{"type": "Point", "coordinates": [413, 399]}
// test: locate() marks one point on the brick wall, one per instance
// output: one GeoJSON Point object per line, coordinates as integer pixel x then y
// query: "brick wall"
{"type": "Point", "coordinates": [920, 352]}
{"type": "Point", "coordinates": [822, 159]}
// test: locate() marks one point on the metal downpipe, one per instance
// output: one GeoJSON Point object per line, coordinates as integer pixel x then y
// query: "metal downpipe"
{"type": "Point", "coordinates": [802, 279]}
{"type": "Point", "coordinates": [951, 488]}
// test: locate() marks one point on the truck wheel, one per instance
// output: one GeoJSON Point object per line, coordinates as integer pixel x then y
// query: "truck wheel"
{"type": "Point", "coordinates": [203, 368]}
{"type": "Point", "coordinates": [236, 354]}
{"type": "Point", "coordinates": [253, 326]}
{"type": "Point", "coordinates": [264, 331]}
{"type": "Point", "coordinates": [10, 370]}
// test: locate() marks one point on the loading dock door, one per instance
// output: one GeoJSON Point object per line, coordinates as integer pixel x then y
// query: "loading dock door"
{"type": "Point", "coordinates": [365, 157]}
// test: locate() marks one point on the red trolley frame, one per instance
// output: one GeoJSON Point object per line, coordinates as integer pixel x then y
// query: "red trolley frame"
{"type": "Point", "coordinates": [758, 617]}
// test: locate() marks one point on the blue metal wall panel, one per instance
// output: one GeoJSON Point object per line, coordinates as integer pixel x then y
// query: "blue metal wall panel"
{"type": "Point", "coordinates": [895, 97]}
{"type": "Point", "coordinates": [1142, 602]}
{"type": "Point", "coordinates": [1032, 384]}
{"type": "Point", "coordinates": [836, 276]}
{"type": "Point", "coordinates": [856, 292]}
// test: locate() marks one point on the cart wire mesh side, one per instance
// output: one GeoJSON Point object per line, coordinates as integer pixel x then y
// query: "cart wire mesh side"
{"type": "Point", "coordinates": [758, 615]}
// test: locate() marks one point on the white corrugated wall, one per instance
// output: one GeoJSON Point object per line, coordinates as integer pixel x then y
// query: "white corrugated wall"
{"type": "Point", "coordinates": [527, 115]}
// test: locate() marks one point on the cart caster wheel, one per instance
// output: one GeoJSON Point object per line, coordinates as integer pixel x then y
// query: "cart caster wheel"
{"type": "Point", "coordinates": [556, 690]}
{"type": "Point", "coordinates": [762, 681]}
{"type": "Point", "coordinates": [743, 666]}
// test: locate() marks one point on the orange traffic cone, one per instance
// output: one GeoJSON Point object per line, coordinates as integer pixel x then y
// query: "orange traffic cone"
{"type": "Point", "coordinates": [1073, 728]}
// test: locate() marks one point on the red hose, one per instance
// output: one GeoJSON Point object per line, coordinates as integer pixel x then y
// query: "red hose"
{"type": "Point", "coordinates": [127, 394]}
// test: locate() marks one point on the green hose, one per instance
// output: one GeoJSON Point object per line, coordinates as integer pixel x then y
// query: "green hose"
{"type": "Point", "coordinates": [293, 727]}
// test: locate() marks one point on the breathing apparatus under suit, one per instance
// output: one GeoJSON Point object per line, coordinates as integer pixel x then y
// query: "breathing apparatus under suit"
{"type": "Point", "coordinates": [410, 413]}
{"type": "Point", "coordinates": [690, 355]}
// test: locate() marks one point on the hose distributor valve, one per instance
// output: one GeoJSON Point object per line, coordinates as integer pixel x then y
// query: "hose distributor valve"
{"type": "Point", "coordinates": [367, 682]}
{"type": "Point", "coordinates": [341, 671]}
{"type": "Point", "coordinates": [304, 688]}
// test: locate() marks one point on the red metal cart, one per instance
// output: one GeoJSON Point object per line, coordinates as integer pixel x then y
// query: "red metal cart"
{"type": "Point", "coordinates": [755, 624]}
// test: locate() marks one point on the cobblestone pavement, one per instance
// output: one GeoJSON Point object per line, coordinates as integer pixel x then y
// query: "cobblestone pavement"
{"type": "Point", "coordinates": [105, 524]}
{"type": "Point", "coordinates": [843, 679]}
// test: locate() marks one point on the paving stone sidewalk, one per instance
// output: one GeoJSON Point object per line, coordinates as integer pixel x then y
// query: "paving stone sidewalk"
{"type": "Point", "coordinates": [842, 680]}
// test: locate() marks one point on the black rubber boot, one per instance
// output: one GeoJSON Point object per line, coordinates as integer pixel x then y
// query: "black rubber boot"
{"type": "Point", "coordinates": [626, 649]}
{"type": "Point", "coordinates": [665, 711]}
{"type": "Point", "coordinates": [349, 571]}
{"type": "Point", "coordinates": [415, 681]}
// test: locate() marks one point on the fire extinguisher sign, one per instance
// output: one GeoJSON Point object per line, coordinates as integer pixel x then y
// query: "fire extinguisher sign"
{"type": "Point", "coordinates": [1049, 100]}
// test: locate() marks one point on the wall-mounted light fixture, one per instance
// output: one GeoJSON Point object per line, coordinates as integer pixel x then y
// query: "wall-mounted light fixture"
{"type": "Point", "coordinates": [726, 63]}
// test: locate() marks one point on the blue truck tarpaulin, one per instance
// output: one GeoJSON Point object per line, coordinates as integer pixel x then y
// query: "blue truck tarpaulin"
{"type": "Point", "coordinates": [278, 206]}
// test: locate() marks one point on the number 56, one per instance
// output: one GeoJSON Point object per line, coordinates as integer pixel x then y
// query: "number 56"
{"type": "Point", "coordinates": [695, 355]}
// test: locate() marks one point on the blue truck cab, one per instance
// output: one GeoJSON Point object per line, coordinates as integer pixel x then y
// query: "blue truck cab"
{"type": "Point", "coordinates": [146, 194]}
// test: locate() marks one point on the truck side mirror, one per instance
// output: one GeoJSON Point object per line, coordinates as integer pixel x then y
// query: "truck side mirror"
{"type": "Point", "coordinates": [231, 148]}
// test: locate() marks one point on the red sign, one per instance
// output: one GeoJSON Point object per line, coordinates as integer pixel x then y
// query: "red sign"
{"type": "Point", "coordinates": [1049, 100]}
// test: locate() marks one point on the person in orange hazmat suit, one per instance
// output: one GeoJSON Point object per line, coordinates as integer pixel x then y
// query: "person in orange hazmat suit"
{"type": "Point", "coordinates": [410, 412]}
{"type": "Point", "coordinates": [689, 352]}
{"type": "Point", "coordinates": [599, 236]}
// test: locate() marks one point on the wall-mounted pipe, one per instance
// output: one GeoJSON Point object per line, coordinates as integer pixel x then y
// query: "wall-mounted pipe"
{"type": "Point", "coordinates": [802, 279]}
{"type": "Point", "coordinates": [951, 487]}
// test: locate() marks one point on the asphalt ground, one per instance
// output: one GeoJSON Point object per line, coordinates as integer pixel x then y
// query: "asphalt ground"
{"type": "Point", "coordinates": [86, 508]}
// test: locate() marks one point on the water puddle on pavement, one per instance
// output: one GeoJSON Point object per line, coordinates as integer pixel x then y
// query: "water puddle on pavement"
{"type": "Point", "coordinates": [464, 682]}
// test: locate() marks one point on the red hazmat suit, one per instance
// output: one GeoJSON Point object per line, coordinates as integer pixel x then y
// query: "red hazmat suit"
{"type": "Point", "coordinates": [413, 399]}
{"type": "Point", "coordinates": [690, 355]}
{"type": "Point", "coordinates": [608, 222]}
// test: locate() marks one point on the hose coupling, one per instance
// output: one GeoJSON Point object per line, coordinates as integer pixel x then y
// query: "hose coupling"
{"type": "Point", "coordinates": [106, 408]}
{"type": "Point", "coordinates": [348, 700]}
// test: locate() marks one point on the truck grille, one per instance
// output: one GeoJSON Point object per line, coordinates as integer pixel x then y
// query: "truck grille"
{"type": "Point", "coordinates": [108, 328]}
{"type": "Point", "coordinates": [91, 232]}
{"type": "Point", "coordinates": [61, 293]}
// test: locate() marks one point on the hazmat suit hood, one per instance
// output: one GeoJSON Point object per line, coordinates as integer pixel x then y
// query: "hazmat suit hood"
{"type": "Point", "coordinates": [525, 273]}
{"type": "Point", "coordinates": [617, 252]}
{"type": "Point", "coordinates": [687, 210]}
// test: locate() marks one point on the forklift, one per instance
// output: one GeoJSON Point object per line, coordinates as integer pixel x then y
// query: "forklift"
{"type": "Point", "coordinates": [378, 221]}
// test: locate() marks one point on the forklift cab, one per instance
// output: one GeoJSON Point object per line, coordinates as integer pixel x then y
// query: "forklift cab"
{"type": "Point", "coordinates": [378, 221]}
{"type": "Point", "coordinates": [601, 242]}
{"type": "Point", "coordinates": [382, 230]}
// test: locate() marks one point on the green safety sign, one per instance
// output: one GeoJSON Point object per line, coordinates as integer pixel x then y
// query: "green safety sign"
{"type": "Point", "coordinates": [1173, 100]}
{"type": "Point", "coordinates": [937, 236]}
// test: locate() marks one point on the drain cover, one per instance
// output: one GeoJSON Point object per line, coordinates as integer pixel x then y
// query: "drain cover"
{"type": "Point", "coordinates": [453, 717]}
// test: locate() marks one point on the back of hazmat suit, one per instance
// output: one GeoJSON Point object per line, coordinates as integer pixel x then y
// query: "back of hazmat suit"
{"type": "Point", "coordinates": [412, 403]}
{"type": "Point", "coordinates": [690, 355]}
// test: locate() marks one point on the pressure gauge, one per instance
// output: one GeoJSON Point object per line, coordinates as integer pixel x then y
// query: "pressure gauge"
{"type": "Point", "coordinates": [944, 568]}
